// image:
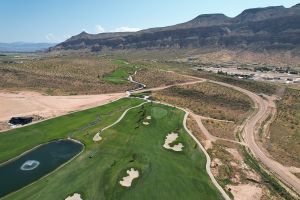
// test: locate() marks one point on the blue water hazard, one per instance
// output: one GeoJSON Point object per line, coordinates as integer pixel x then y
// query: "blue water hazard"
{"type": "Point", "coordinates": [36, 164]}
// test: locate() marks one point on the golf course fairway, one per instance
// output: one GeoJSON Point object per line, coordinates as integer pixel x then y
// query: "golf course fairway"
{"type": "Point", "coordinates": [96, 172]}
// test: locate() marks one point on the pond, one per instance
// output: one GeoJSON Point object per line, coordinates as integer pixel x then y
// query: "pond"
{"type": "Point", "coordinates": [35, 164]}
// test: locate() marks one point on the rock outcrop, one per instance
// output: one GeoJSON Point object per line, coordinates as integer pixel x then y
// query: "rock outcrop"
{"type": "Point", "coordinates": [256, 29]}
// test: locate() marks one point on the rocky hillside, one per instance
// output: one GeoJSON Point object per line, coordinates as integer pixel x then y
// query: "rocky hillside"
{"type": "Point", "coordinates": [256, 29]}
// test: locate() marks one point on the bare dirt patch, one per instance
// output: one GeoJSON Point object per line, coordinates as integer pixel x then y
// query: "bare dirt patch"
{"type": "Point", "coordinates": [33, 103]}
{"type": "Point", "coordinates": [4, 126]}
{"type": "Point", "coordinates": [234, 152]}
{"type": "Point", "coordinates": [246, 191]}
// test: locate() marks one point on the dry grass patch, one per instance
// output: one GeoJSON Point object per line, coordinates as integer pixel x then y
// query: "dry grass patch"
{"type": "Point", "coordinates": [194, 128]}
{"type": "Point", "coordinates": [155, 77]}
{"type": "Point", "coordinates": [61, 75]}
{"type": "Point", "coordinates": [221, 129]}
{"type": "Point", "coordinates": [284, 144]}
{"type": "Point", "coordinates": [233, 173]}
{"type": "Point", "coordinates": [208, 99]}
{"type": "Point", "coordinates": [229, 168]}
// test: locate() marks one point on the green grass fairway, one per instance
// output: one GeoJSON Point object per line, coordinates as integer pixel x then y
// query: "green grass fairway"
{"type": "Point", "coordinates": [120, 62]}
{"type": "Point", "coordinates": [164, 174]}
{"type": "Point", "coordinates": [121, 74]}
{"type": "Point", "coordinates": [16, 141]}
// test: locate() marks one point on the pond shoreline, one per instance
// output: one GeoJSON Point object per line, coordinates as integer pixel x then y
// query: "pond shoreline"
{"type": "Point", "coordinates": [47, 174]}
{"type": "Point", "coordinates": [29, 150]}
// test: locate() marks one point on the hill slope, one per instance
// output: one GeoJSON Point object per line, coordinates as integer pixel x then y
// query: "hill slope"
{"type": "Point", "coordinates": [268, 28]}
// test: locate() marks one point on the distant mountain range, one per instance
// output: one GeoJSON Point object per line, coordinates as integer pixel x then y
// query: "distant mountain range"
{"type": "Point", "coordinates": [256, 29]}
{"type": "Point", "coordinates": [24, 47]}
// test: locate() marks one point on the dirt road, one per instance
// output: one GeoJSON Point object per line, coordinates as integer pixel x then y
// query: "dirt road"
{"type": "Point", "coordinates": [249, 132]}
{"type": "Point", "coordinates": [25, 104]}
{"type": "Point", "coordinates": [207, 134]}
{"type": "Point", "coordinates": [168, 86]}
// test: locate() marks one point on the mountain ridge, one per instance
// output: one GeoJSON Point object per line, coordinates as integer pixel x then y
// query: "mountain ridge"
{"type": "Point", "coordinates": [268, 28]}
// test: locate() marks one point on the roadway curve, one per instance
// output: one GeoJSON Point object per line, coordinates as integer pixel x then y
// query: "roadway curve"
{"type": "Point", "coordinates": [208, 159]}
{"type": "Point", "coordinates": [248, 135]}
{"type": "Point", "coordinates": [207, 134]}
{"type": "Point", "coordinates": [249, 132]}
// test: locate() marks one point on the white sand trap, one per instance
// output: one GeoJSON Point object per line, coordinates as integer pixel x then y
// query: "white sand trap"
{"type": "Point", "coordinates": [171, 137]}
{"type": "Point", "coordinates": [148, 117]}
{"type": "Point", "coordinates": [127, 180]}
{"type": "Point", "coordinates": [97, 137]}
{"type": "Point", "coordinates": [146, 123]}
{"type": "Point", "coordinates": [75, 196]}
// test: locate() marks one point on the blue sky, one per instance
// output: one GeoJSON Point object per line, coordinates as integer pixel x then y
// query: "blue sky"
{"type": "Point", "coordinates": [56, 20]}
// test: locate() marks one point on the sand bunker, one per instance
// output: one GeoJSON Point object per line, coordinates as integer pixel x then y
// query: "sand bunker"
{"type": "Point", "coordinates": [75, 196]}
{"type": "Point", "coordinates": [97, 137]}
{"type": "Point", "coordinates": [127, 180]}
{"type": "Point", "coordinates": [145, 122]}
{"type": "Point", "coordinates": [171, 137]}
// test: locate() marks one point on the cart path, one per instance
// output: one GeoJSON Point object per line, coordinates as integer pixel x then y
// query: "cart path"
{"type": "Point", "coordinates": [97, 136]}
{"type": "Point", "coordinates": [207, 134]}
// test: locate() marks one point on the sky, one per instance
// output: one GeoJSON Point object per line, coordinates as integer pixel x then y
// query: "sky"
{"type": "Point", "coordinates": [56, 20]}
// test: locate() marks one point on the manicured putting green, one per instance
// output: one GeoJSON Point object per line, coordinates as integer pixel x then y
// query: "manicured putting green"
{"type": "Point", "coordinates": [158, 112]}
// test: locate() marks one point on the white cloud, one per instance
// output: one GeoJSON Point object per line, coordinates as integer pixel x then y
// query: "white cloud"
{"type": "Point", "coordinates": [67, 36]}
{"type": "Point", "coordinates": [99, 29]}
{"type": "Point", "coordinates": [50, 37]}
{"type": "Point", "coordinates": [126, 29]}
